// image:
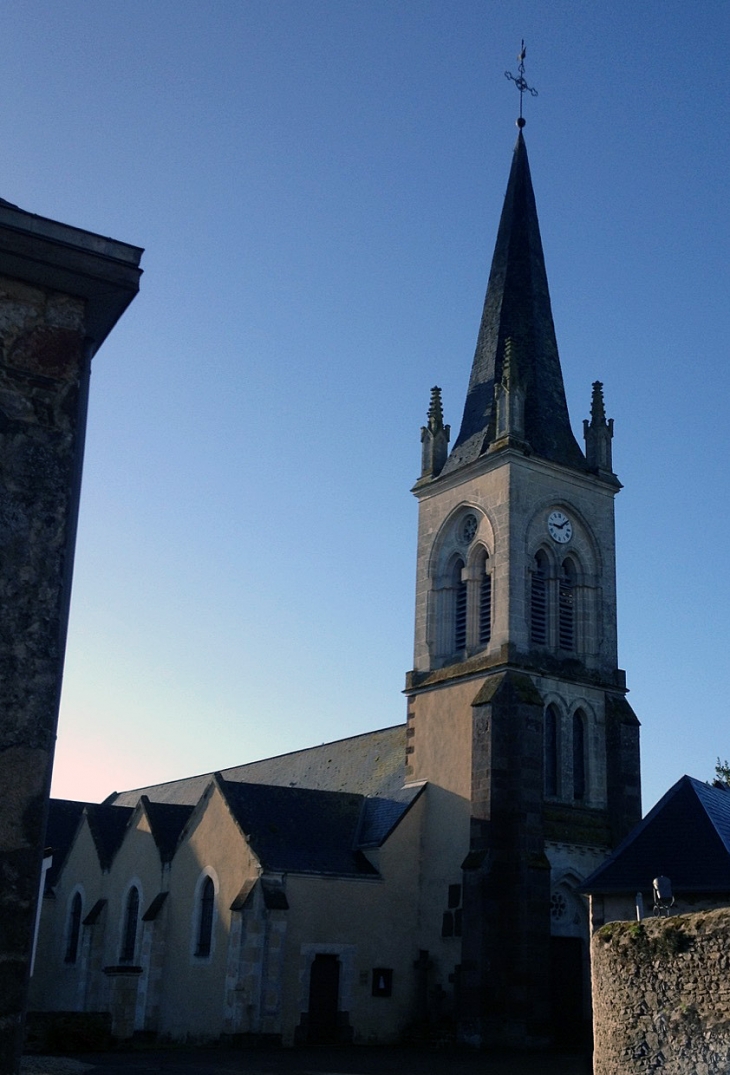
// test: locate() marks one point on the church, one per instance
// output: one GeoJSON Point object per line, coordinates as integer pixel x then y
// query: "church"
{"type": "Point", "coordinates": [420, 880]}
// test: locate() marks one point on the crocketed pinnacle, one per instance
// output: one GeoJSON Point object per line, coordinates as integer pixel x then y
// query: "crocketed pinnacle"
{"type": "Point", "coordinates": [598, 407]}
{"type": "Point", "coordinates": [598, 434]}
{"type": "Point", "coordinates": [517, 309]}
{"type": "Point", "coordinates": [434, 439]}
{"type": "Point", "coordinates": [435, 411]}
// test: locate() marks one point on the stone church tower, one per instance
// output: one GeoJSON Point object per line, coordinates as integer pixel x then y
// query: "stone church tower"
{"type": "Point", "coordinates": [517, 713]}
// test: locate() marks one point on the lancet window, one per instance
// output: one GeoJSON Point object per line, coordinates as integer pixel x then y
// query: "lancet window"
{"type": "Point", "coordinates": [206, 906]}
{"type": "Point", "coordinates": [74, 929]}
{"type": "Point", "coordinates": [129, 931]}
{"type": "Point", "coordinates": [552, 722]}
{"type": "Point", "coordinates": [579, 754]}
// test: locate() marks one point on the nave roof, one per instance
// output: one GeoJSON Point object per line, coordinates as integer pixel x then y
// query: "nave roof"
{"type": "Point", "coordinates": [368, 764]}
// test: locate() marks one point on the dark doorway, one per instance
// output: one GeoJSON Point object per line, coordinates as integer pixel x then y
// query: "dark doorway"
{"type": "Point", "coordinates": [568, 1021]}
{"type": "Point", "coordinates": [324, 991]}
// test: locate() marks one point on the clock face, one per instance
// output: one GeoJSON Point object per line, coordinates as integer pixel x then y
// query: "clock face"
{"type": "Point", "coordinates": [560, 527]}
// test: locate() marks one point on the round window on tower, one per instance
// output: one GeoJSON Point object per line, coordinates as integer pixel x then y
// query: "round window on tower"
{"type": "Point", "coordinates": [468, 529]}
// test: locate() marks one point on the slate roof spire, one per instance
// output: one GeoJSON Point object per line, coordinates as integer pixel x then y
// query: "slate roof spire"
{"type": "Point", "coordinates": [517, 309]}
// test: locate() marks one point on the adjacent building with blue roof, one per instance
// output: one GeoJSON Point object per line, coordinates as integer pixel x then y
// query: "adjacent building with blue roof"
{"type": "Point", "coordinates": [685, 838]}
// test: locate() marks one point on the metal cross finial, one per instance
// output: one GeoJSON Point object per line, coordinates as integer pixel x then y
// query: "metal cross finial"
{"type": "Point", "coordinates": [520, 82]}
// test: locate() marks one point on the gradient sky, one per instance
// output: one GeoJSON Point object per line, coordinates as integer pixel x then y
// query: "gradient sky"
{"type": "Point", "coordinates": [317, 184]}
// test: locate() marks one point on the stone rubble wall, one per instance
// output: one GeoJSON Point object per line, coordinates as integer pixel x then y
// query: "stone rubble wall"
{"type": "Point", "coordinates": [661, 995]}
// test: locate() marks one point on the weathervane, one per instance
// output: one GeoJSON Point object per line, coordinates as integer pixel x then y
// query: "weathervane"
{"type": "Point", "coordinates": [520, 82]}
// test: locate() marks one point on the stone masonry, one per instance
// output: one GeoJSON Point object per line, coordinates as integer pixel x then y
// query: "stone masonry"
{"type": "Point", "coordinates": [661, 995]}
{"type": "Point", "coordinates": [61, 292]}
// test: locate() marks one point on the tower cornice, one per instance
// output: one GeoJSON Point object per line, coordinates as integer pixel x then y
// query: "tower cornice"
{"type": "Point", "coordinates": [483, 464]}
{"type": "Point", "coordinates": [540, 664]}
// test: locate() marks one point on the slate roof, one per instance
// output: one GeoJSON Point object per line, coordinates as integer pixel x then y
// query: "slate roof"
{"type": "Point", "coordinates": [517, 307]}
{"type": "Point", "coordinates": [107, 825]}
{"type": "Point", "coordinates": [368, 764]}
{"type": "Point", "coordinates": [300, 830]}
{"type": "Point", "coordinates": [298, 820]}
{"type": "Point", "coordinates": [380, 816]}
{"type": "Point", "coordinates": [64, 816]}
{"type": "Point", "coordinates": [686, 837]}
{"type": "Point", "coordinates": [167, 820]}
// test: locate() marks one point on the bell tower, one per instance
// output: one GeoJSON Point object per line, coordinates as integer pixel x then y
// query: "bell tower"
{"type": "Point", "coordinates": [518, 718]}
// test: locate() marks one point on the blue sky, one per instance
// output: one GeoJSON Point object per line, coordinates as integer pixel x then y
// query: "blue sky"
{"type": "Point", "coordinates": [317, 184]}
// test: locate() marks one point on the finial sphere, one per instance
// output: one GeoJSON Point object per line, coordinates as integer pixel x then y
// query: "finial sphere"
{"type": "Point", "coordinates": [521, 122]}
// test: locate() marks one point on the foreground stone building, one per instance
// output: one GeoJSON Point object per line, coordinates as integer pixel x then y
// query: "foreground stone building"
{"type": "Point", "coordinates": [62, 291]}
{"type": "Point", "coordinates": [418, 876]}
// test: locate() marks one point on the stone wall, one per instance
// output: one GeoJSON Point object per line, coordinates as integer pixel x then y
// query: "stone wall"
{"type": "Point", "coordinates": [661, 995]}
{"type": "Point", "coordinates": [43, 365]}
{"type": "Point", "coordinates": [61, 292]}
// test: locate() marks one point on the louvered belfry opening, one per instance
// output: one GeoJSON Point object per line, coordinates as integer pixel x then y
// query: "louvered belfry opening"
{"type": "Point", "coordinates": [459, 608]}
{"type": "Point", "coordinates": [539, 603]}
{"type": "Point", "coordinates": [485, 605]}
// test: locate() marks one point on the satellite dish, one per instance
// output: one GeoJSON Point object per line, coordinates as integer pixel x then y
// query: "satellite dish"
{"type": "Point", "coordinates": [663, 895]}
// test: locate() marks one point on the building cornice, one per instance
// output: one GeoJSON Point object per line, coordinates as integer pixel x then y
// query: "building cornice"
{"type": "Point", "coordinates": [46, 254]}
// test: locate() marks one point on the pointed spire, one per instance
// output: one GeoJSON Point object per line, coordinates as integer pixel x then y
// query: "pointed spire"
{"type": "Point", "coordinates": [598, 434]}
{"type": "Point", "coordinates": [517, 307]}
{"type": "Point", "coordinates": [434, 438]}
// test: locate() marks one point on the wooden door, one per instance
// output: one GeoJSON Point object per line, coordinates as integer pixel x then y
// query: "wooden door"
{"type": "Point", "coordinates": [324, 992]}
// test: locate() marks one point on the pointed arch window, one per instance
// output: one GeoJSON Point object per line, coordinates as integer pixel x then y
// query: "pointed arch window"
{"type": "Point", "coordinates": [129, 932]}
{"type": "Point", "coordinates": [485, 603]}
{"type": "Point", "coordinates": [74, 929]}
{"type": "Point", "coordinates": [566, 605]}
{"type": "Point", "coordinates": [579, 754]}
{"type": "Point", "coordinates": [539, 601]}
{"type": "Point", "coordinates": [206, 906]}
{"type": "Point", "coordinates": [459, 607]}
{"type": "Point", "coordinates": [551, 751]}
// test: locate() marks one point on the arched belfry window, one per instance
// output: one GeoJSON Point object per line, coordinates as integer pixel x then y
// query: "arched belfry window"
{"type": "Point", "coordinates": [579, 754]}
{"type": "Point", "coordinates": [539, 600]}
{"type": "Point", "coordinates": [74, 929]}
{"type": "Point", "coordinates": [206, 906]}
{"type": "Point", "coordinates": [566, 605]}
{"type": "Point", "coordinates": [460, 605]}
{"type": "Point", "coordinates": [551, 750]}
{"type": "Point", "coordinates": [459, 587]}
{"type": "Point", "coordinates": [129, 931]}
{"type": "Point", "coordinates": [485, 601]}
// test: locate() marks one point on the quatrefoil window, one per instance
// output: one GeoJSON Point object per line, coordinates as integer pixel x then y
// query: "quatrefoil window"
{"type": "Point", "coordinates": [558, 906]}
{"type": "Point", "coordinates": [468, 529]}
